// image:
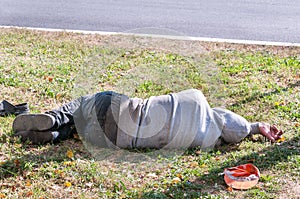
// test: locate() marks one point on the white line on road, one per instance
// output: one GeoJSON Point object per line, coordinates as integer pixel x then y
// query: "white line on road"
{"type": "Point", "coordinates": [208, 39]}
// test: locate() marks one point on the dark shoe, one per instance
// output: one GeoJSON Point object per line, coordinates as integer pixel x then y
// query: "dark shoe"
{"type": "Point", "coordinates": [7, 108]}
{"type": "Point", "coordinates": [37, 137]}
{"type": "Point", "coordinates": [66, 132]}
{"type": "Point", "coordinates": [33, 122]}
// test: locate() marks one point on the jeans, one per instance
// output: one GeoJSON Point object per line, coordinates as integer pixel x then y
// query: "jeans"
{"type": "Point", "coordinates": [64, 120]}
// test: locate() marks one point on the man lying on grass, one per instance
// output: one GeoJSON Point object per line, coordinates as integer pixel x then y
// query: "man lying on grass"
{"type": "Point", "coordinates": [109, 119]}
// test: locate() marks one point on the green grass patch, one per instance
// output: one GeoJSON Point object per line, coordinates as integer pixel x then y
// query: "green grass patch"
{"type": "Point", "coordinates": [48, 69]}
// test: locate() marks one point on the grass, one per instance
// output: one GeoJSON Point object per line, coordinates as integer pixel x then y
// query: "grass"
{"type": "Point", "coordinates": [48, 69]}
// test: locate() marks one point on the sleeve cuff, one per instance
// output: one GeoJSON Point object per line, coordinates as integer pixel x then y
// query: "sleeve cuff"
{"type": "Point", "coordinates": [255, 128]}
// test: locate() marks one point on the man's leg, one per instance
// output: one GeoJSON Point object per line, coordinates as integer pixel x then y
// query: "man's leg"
{"type": "Point", "coordinates": [59, 124]}
{"type": "Point", "coordinates": [53, 119]}
{"type": "Point", "coordinates": [54, 125]}
{"type": "Point", "coordinates": [64, 115]}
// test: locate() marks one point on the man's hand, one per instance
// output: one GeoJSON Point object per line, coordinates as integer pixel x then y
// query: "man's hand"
{"type": "Point", "coordinates": [270, 132]}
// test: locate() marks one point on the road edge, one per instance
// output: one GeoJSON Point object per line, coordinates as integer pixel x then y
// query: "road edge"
{"type": "Point", "coordinates": [187, 38]}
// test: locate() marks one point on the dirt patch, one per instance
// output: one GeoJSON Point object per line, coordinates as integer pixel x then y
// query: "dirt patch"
{"type": "Point", "coordinates": [290, 189]}
{"type": "Point", "coordinates": [183, 47]}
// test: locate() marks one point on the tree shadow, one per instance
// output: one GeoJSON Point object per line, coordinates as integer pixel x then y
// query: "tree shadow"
{"type": "Point", "coordinates": [202, 186]}
{"type": "Point", "coordinates": [256, 96]}
{"type": "Point", "coordinates": [36, 155]}
{"type": "Point", "coordinates": [205, 184]}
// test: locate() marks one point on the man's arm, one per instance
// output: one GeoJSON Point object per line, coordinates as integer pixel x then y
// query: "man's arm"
{"type": "Point", "coordinates": [265, 129]}
{"type": "Point", "coordinates": [236, 127]}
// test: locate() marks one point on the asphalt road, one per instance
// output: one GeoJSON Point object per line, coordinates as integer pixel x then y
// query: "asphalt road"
{"type": "Point", "coordinates": [266, 20]}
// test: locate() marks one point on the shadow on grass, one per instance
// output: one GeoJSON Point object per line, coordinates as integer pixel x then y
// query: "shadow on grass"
{"type": "Point", "coordinates": [256, 96]}
{"type": "Point", "coordinates": [33, 156]}
{"type": "Point", "coordinates": [205, 185]}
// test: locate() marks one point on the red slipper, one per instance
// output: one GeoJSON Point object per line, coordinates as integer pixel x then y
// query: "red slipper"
{"type": "Point", "coordinates": [242, 177]}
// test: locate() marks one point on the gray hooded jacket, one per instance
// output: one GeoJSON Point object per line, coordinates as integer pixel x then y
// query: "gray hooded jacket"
{"type": "Point", "coordinates": [178, 120]}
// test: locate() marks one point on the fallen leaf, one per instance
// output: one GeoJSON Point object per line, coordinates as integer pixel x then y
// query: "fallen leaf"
{"type": "Point", "coordinates": [29, 173]}
{"type": "Point", "coordinates": [268, 184]}
{"type": "Point", "coordinates": [28, 183]}
{"type": "Point", "coordinates": [179, 175]}
{"type": "Point", "coordinates": [62, 174]}
{"type": "Point", "coordinates": [230, 189]}
{"type": "Point", "coordinates": [70, 154]}
{"type": "Point", "coordinates": [203, 165]}
{"type": "Point", "coordinates": [176, 180]}
{"type": "Point", "coordinates": [276, 104]}
{"type": "Point", "coordinates": [68, 184]}
{"type": "Point", "coordinates": [258, 186]}
{"type": "Point", "coordinates": [58, 95]}
{"type": "Point", "coordinates": [206, 172]}
{"type": "Point", "coordinates": [194, 164]}
{"type": "Point", "coordinates": [89, 184]}
{"type": "Point", "coordinates": [198, 152]}
{"type": "Point", "coordinates": [280, 139]}
{"type": "Point", "coordinates": [155, 186]}
{"type": "Point", "coordinates": [17, 145]}
{"type": "Point", "coordinates": [69, 163]}
{"type": "Point", "coordinates": [29, 193]}
{"type": "Point", "coordinates": [152, 175]}
{"type": "Point", "coordinates": [17, 163]}
{"type": "Point", "coordinates": [55, 187]}
{"type": "Point", "coordinates": [49, 78]}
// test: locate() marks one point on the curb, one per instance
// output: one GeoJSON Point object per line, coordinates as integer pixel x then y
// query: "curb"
{"type": "Point", "coordinates": [205, 39]}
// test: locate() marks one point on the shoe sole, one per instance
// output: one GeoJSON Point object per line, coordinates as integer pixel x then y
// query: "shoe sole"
{"type": "Point", "coordinates": [36, 137]}
{"type": "Point", "coordinates": [33, 122]}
